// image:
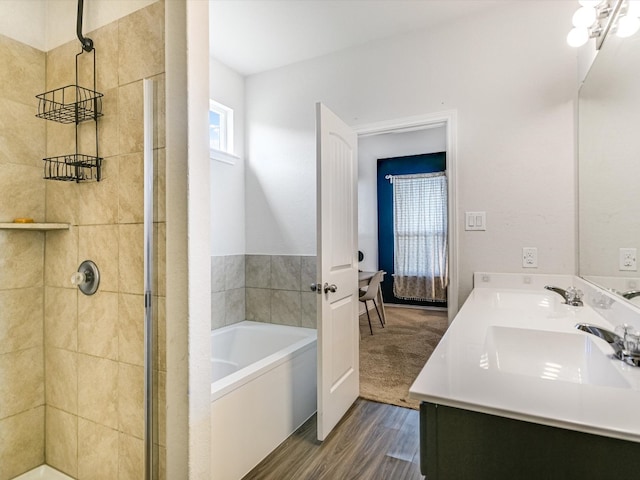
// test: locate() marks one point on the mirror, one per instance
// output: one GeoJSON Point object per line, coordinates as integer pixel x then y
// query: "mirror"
{"type": "Point", "coordinates": [609, 167]}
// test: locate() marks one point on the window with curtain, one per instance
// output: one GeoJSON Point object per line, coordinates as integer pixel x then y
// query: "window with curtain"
{"type": "Point", "coordinates": [420, 237]}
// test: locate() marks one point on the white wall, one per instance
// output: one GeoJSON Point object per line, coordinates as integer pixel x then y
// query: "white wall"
{"type": "Point", "coordinates": [199, 263]}
{"type": "Point", "coordinates": [227, 181]}
{"type": "Point", "coordinates": [46, 24]}
{"type": "Point", "coordinates": [188, 302]}
{"type": "Point", "coordinates": [24, 21]}
{"type": "Point", "coordinates": [370, 149]}
{"type": "Point", "coordinates": [512, 78]}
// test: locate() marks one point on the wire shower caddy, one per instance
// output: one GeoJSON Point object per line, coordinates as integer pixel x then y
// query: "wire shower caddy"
{"type": "Point", "coordinates": [73, 104]}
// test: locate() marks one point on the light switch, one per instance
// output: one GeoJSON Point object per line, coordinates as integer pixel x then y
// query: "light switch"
{"type": "Point", "coordinates": [476, 221]}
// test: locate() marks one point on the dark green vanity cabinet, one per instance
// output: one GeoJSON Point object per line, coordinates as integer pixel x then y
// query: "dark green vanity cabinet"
{"type": "Point", "coordinates": [457, 444]}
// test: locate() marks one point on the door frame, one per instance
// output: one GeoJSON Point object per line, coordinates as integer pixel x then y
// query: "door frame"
{"type": "Point", "coordinates": [448, 119]}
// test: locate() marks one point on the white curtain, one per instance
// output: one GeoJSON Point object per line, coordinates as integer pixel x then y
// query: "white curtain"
{"type": "Point", "coordinates": [420, 237]}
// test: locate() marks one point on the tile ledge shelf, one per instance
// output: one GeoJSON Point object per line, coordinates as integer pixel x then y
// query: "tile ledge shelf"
{"type": "Point", "coordinates": [40, 227]}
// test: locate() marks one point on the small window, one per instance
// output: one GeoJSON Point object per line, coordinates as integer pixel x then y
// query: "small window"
{"type": "Point", "coordinates": [221, 132]}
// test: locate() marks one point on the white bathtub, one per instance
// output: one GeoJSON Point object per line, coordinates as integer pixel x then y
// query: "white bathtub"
{"type": "Point", "coordinates": [263, 388]}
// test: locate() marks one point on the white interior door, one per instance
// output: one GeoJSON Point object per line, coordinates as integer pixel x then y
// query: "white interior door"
{"type": "Point", "coordinates": [337, 282]}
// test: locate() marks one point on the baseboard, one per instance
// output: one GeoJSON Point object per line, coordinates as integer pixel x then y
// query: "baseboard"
{"type": "Point", "coordinates": [416, 307]}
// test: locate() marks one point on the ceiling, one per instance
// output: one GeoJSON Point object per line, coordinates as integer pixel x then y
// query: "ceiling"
{"type": "Point", "coordinates": [253, 36]}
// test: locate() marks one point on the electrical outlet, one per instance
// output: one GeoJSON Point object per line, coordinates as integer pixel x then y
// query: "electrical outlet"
{"type": "Point", "coordinates": [529, 257]}
{"type": "Point", "coordinates": [628, 259]}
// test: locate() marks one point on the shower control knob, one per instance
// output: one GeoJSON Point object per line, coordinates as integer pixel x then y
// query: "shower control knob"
{"type": "Point", "coordinates": [314, 287]}
{"type": "Point", "coordinates": [330, 288]}
{"type": "Point", "coordinates": [78, 278]}
{"type": "Point", "coordinates": [87, 278]}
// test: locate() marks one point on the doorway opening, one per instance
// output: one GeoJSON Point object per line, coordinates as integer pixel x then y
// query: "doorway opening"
{"type": "Point", "coordinates": [439, 128]}
{"type": "Point", "coordinates": [418, 145]}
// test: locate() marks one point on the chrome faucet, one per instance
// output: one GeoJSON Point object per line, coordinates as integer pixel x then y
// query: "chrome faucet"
{"type": "Point", "coordinates": [572, 296]}
{"type": "Point", "coordinates": [627, 351]}
{"type": "Point", "coordinates": [631, 294]}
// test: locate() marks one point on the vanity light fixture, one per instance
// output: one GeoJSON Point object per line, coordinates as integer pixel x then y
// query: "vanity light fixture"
{"type": "Point", "coordinates": [633, 8]}
{"type": "Point", "coordinates": [628, 22]}
{"type": "Point", "coordinates": [584, 17]}
{"type": "Point", "coordinates": [592, 20]}
{"type": "Point", "coordinates": [627, 26]}
{"type": "Point", "coordinates": [595, 18]}
{"type": "Point", "coordinates": [578, 37]}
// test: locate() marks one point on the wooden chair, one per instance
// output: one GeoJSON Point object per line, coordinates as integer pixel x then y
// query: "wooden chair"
{"type": "Point", "coordinates": [370, 293]}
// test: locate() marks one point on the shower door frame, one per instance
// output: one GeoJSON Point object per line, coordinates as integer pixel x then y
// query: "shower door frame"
{"type": "Point", "coordinates": [149, 390]}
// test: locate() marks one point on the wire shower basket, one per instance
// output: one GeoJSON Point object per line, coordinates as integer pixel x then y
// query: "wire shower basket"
{"type": "Point", "coordinates": [70, 104]}
{"type": "Point", "coordinates": [73, 168]}
{"type": "Point", "coordinates": [73, 104]}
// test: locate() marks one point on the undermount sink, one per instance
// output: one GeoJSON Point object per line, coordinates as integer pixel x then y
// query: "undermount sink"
{"type": "Point", "coordinates": [527, 305]}
{"type": "Point", "coordinates": [559, 356]}
{"type": "Point", "coordinates": [515, 300]}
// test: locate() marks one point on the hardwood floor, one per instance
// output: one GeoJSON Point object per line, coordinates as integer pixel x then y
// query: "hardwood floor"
{"type": "Point", "coordinates": [374, 441]}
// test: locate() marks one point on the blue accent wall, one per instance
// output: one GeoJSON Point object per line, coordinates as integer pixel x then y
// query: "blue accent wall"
{"type": "Point", "coordinates": [428, 163]}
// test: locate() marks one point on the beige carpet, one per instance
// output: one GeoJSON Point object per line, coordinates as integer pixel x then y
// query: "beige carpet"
{"type": "Point", "coordinates": [392, 357]}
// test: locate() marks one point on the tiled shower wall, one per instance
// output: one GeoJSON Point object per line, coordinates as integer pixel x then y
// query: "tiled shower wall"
{"type": "Point", "coordinates": [94, 350]}
{"type": "Point", "coordinates": [263, 288]}
{"type": "Point", "coordinates": [22, 194]}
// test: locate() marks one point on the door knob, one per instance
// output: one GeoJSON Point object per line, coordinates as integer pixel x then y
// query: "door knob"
{"type": "Point", "coordinates": [330, 288]}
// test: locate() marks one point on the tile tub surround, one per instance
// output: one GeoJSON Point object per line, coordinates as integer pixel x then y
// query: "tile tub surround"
{"type": "Point", "coordinates": [22, 194]}
{"type": "Point", "coordinates": [278, 289]}
{"type": "Point", "coordinates": [263, 288]}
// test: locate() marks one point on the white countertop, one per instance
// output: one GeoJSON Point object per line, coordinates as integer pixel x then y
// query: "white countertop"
{"type": "Point", "coordinates": [504, 354]}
